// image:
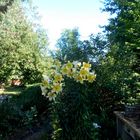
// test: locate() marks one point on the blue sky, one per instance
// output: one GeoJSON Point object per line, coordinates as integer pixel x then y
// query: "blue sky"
{"type": "Point", "coordinates": [58, 15]}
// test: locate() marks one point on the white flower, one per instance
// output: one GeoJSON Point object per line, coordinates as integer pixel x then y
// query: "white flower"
{"type": "Point", "coordinates": [44, 90]}
{"type": "Point", "coordinates": [96, 125]}
{"type": "Point", "coordinates": [51, 96]}
{"type": "Point", "coordinates": [76, 63]}
{"type": "Point", "coordinates": [46, 78]}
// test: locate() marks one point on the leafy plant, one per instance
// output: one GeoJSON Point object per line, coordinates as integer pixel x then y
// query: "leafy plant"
{"type": "Point", "coordinates": [30, 116]}
{"type": "Point", "coordinates": [23, 110]}
{"type": "Point", "coordinates": [21, 46]}
{"type": "Point", "coordinates": [71, 117]}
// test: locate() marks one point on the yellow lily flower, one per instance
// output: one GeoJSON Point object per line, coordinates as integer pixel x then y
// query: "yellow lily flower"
{"type": "Point", "coordinates": [51, 96]}
{"type": "Point", "coordinates": [57, 87]}
{"type": "Point", "coordinates": [86, 65]}
{"type": "Point", "coordinates": [64, 70]}
{"type": "Point", "coordinates": [58, 77]}
{"type": "Point", "coordinates": [91, 77]}
{"type": "Point", "coordinates": [57, 63]}
{"type": "Point", "coordinates": [78, 78]}
{"type": "Point", "coordinates": [69, 65]}
{"type": "Point", "coordinates": [70, 73]}
{"type": "Point", "coordinates": [83, 72]}
{"type": "Point", "coordinates": [45, 83]}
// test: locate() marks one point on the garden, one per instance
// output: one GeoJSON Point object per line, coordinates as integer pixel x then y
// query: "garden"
{"type": "Point", "coordinates": [71, 93]}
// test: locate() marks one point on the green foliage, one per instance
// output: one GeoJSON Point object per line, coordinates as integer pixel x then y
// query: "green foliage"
{"type": "Point", "coordinates": [72, 117]}
{"type": "Point", "coordinates": [30, 116]}
{"type": "Point", "coordinates": [123, 34]}
{"type": "Point", "coordinates": [71, 48]}
{"type": "Point", "coordinates": [100, 97]}
{"type": "Point", "coordinates": [32, 97]}
{"type": "Point", "coordinates": [22, 110]}
{"type": "Point", "coordinates": [118, 71]}
{"type": "Point", "coordinates": [115, 59]}
{"type": "Point", "coordinates": [20, 50]}
{"type": "Point", "coordinates": [4, 4]}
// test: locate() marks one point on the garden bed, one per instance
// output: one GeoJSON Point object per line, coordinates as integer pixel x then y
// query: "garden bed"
{"type": "Point", "coordinates": [38, 131]}
{"type": "Point", "coordinates": [24, 113]}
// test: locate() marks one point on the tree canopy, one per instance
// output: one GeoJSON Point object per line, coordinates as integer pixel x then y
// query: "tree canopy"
{"type": "Point", "coordinates": [21, 45]}
{"type": "Point", "coordinates": [124, 37]}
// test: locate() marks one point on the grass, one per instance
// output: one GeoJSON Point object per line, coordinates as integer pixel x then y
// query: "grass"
{"type": "Point", "coordinates": [16, 113]}
{"type": "Point", "coordinates": [15, 90]}
{"type": "Point", "coordinates": [11, 90]}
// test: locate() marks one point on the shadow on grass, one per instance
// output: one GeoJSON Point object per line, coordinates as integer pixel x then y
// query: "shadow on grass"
{"type": "Point", "coordinates": [15, 109]}
{"type": "Point", "coordinates": [12, 90]}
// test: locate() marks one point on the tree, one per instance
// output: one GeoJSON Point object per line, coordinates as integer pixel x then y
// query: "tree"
{"type": "Point", "coordinates": [20, 51]}
{"type": "Point", "coordinates": [4, 4]}
{"type": "Point", "coordinates": [70, 47]}
{"type": "Point", "coordinates": [124, 37]}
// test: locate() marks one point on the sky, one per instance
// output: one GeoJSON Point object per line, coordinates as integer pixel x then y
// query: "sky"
{"type": "Point", "coordinates": [57, 15]}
